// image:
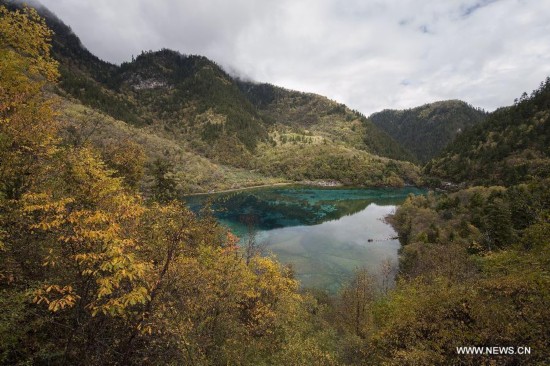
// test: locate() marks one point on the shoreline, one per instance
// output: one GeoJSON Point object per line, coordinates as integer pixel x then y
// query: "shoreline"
{"type": "Point", "coordinates": [323, 183]}
{"type": "Point", "coordinates": [299, 183]}
{"type": "Point", "coordinates": [241, 188]}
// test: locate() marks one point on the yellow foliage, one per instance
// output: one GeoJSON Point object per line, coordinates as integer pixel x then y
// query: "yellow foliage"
{"type": "Point", "coordinates": [128, 158]}
{"type": "Point", "coordinates": [88, 218]}
{"type": "Point", "coordinates": [27, 128]}
{"type": "Point", "coordinates": [105, 267]}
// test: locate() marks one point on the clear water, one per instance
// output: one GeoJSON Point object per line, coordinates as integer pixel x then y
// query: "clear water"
{"type": "Point", "coordinates": [325, 233]}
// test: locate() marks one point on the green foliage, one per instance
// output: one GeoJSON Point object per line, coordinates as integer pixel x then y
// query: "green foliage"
{"type": "Point", "coordinates": [306, 161]}
{"type": "Point", "coordinates": [197, 84]}
{"type": "Point", "coordinates": [381, 143]}
{"type": "Point", "coordinates": [164, 185]}
{"type": "Point", "coordinates": [321, 116]}
{"type": "Point", "coordinates": [91, 275]}
{"type": "Point", "coordinates": [510, 147]}
{"type": "Point", "coordinates": [472, 273]}
{"type": "Point", "coordinates": [427, 130]}
{"type": "Point", "coordinates": [132, 151]}
{"type": "Point", "coordinates": [90, 93]}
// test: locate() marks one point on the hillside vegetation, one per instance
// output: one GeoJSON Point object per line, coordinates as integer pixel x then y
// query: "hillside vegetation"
{"type": "Point", "coordinates": [474, 266]}
{"type": "Point", "coordinates": [217, 121]}
{"type": "Point", "coordinates": [94, 272]}
{"type": "Point", "coordinates": [426, 130]}
{"type": "Point", "coordinates": [141, 155]}
{"type": "Point", "coordinates": [510, 147]}
{"type": "Point", "coordinates": [298, 112]}
{"type": "Point", "coordinates": [474, 270]}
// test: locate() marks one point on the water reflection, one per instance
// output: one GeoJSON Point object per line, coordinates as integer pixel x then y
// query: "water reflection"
{"type": "Point", "coordinates": [324, 233]}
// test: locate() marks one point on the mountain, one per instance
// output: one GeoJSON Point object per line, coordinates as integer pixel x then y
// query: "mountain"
{"type": "Point", "coordinates": [510, 147]}
{"type": "Point", "coordinates": [95, 272]}
{"type": "Point", "coordinates": [192, 102]}
{"type": "Point", "coordinates": [426, 130]}
{"type": "Point", "coordinates": [296, 110]}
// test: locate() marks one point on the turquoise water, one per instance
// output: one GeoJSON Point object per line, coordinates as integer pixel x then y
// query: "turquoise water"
{"type": "Point", "coordinates": [325, 233]}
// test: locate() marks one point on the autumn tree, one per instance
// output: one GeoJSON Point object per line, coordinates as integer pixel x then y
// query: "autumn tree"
{"type": "Point", "coordinates": [355, 300]}
{"type": "Point", "coordinates": [27, 136]}
{"type": "Point", "coordinates": [164, 184]}
{"type": "Point", "coordinates": [66, 222]}
{"type": "Point", "coordinates": [27, 126]}
{"type": "Point", "coordinates": [251, 245]}
{"type": "Point", "coordinates": [127, 159]}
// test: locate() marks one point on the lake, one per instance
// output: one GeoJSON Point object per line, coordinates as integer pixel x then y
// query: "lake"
{"type": "Point", "coordinates": [325, 233]}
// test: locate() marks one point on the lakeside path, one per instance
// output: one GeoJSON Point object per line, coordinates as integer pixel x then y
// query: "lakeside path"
{"type": "Point", "coordinates": [243, 188]}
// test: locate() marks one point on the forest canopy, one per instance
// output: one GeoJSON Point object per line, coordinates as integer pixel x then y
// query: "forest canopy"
{"type": "Point", "coordinates": [94, 271]}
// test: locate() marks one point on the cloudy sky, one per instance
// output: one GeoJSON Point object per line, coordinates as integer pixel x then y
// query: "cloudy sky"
{"type": "Point", "coordinates": [369, 54]}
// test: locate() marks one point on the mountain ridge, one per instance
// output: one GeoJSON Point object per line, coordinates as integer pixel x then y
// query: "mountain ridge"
{"type": "Point", "coordinates": [510, 147]}
{"type": "Point", "coordinates": [427, 129]}
{"type": "Point", "coordinates": [194, 102]}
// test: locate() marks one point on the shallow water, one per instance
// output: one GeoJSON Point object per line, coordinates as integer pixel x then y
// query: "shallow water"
{"type": "Point", "coordinates": [325, 233]}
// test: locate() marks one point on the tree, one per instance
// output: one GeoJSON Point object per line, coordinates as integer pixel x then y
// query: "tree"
{"type": "Point", "coordinates": [164, 184]}
{"type": "Point", "coordinates": [27, 126]}
{"type": "Point", "coordinates": [127, 159]}
{"type": "Point", "coordinates": [251, 246]}
{"type": "Point", "coordinates": [66, 221]}
{"type": "Point", "coordinates": [387, 271]}
{"type": "Point", "coordinates": [498, 226]}
{"type": "Point", "coordinates": [355, 300]}
{"type": "Point", "coordinates": [83, 270]}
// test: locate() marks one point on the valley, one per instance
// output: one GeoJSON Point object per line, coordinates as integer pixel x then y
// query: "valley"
{"type": "Point", "coordinates": [323, 233]}
{"type": "Point", "coordinates": [166, 211]}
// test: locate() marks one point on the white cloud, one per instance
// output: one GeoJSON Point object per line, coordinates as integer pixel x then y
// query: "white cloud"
{"type": "Point", "coordinates": [368, 54]}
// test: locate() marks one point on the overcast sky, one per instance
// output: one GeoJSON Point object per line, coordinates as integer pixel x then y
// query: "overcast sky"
{"type": "Point", "coordinates": [368, 54]}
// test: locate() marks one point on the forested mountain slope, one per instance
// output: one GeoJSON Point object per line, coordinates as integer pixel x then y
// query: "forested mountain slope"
{"type": "Point", "coordinates": [511, 146]}
{"type": "Point", "coordinates": [193, 102]}
{"type": "Point", "coordinates": [94, 272]}
{"type": "Point", "coordinates": [474, 263]}
{"type": "Point", "coordinates": [474, 270]}
{"type": "Point", "coordinates": [426, 130]}
{"type": "Point", "coordinates": [297, 111]}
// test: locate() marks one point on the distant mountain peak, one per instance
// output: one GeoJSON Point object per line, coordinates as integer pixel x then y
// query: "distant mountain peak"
{"type": "Point", "coordinates": [509, 147]}
{"type": "Point", "coordinates": [426, 130]}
